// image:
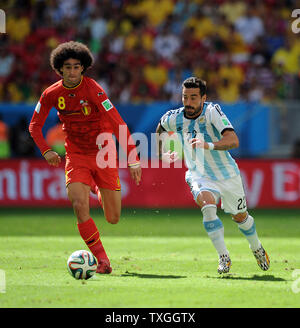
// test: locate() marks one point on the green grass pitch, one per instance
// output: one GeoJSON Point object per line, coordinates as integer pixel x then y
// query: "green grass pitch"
{"type": "Point", "coordinates": [160, 259]}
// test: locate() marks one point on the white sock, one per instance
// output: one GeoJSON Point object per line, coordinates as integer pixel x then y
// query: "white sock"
{"type": "Point", "coordinates": [217, 238]}
{"type": "Point", "coordinates": [214, 228]}
{"type": "Point", "coordinates": [247, 227]}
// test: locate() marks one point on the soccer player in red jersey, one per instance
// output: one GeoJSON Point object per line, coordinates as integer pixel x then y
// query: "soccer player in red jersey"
{"type": "Point", "coordinates": [86, 114]}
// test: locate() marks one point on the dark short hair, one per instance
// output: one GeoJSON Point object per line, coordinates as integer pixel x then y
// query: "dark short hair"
{"type": "Point", "coordinates": [195, 82]}
{"type": "Point", "coordinates": [71, 49]}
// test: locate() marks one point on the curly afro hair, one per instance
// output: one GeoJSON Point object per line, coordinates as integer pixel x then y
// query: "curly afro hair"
{"type": "Point", "coordinates": [71, 49]}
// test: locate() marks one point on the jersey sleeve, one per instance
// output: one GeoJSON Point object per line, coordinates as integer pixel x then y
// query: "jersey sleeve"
{"type": "Point", "coordinates": [120, 128]}
{"type": "Point", "coordinates": [219, 119]}
{"type": "Point", "coordinates": [37, 122]}
{"type": "Point", "coordinates": [165, 121]}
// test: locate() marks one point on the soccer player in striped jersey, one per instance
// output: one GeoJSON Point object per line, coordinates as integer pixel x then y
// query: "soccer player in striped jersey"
{"type": "Point", "coordinates": [89, 119]}
{"type": "Point", "coordinates": [206, 135]}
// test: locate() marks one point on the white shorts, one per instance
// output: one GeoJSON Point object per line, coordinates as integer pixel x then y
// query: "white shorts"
{"type": "Point", "coordinates": [230, 191]}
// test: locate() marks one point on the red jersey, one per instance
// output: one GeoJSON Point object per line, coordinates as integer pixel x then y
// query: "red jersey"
{"type": "Point", "coordinates": [85, 112]}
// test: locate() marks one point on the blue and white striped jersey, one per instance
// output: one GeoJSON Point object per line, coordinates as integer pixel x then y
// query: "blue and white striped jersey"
{"type": "Point", "coordinates": [213, 164]}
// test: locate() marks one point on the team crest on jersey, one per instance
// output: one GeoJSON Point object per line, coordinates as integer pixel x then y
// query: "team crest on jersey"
{"type": "Point", "coordinates": [202, 119]}
{"type": "Point", "coordinates": [85, 107]}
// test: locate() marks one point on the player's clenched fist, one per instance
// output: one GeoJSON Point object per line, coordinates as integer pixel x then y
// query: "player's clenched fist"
{"type": "Point", "coordinates": [198, 143]}
{"type": "Point", "coordinates": [170, 156]}
{"type": "Point", "coordinates": [52, 158]}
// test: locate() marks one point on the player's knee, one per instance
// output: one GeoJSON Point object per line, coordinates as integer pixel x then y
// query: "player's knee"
{"type": "Point", "coordinates": [239, 217]}
{"type": "Point", "coordinates": [80, 207]}
{"type": "Point", "coordinates": [78, 203]}
{"type": "Point", "coordinates": [113, 218]}
{"type": "Point", "coordinates": [205, 198]}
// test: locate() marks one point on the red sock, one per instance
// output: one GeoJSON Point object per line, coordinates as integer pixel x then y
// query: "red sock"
{"type": "Point", "coordinates": [90, 234]}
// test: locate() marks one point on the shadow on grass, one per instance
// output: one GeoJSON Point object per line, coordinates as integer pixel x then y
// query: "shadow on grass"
{"type": "Point", "coordinates": [151, 276]}
{"type": "Point", "coordinates": [254, 277]}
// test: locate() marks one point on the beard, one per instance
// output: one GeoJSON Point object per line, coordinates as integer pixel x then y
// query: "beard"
{"type": "Point", "coordinates": [193, 111]}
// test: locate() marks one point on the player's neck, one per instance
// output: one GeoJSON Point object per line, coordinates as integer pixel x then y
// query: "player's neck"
{"type": "Point", "coordinates": [70, 85]}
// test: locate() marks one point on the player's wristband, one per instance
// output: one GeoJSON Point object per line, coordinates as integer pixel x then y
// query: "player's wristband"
{"type": "Point", "coordinates": [211, 146]}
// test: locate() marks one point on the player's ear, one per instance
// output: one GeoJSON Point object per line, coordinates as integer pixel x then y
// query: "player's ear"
{"type": "Point", "coordinates": [58, 72]}
{"type": "Point", "coordinates": [204, 97]}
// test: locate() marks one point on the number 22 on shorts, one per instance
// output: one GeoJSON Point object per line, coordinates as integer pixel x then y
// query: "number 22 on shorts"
{"type": "Point", "coordinates": [242, 203]}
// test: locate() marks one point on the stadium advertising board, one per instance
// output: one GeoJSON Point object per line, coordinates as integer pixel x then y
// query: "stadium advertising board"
{"type": "Point", "coordinates": [268, 183]}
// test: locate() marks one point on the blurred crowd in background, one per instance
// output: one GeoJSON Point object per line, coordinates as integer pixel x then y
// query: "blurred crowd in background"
{"type": "Point", "coordinates": [143, 49]}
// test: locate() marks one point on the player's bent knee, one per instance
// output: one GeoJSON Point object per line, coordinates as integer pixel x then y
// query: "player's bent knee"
{"type": "Point", "coordinates": [112, 218]}
{"type": "Point", "coordinates": [240, 216]}
{"type": "Point", "coordinates": [78, 204]}
{"type": "Point", "coordinates": [205, 198]}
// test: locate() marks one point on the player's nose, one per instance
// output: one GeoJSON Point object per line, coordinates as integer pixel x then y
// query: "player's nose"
{"type": "Point", "coordinates": [72, 71]}
{"type": "Point", "coordinates": [188, 102]}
